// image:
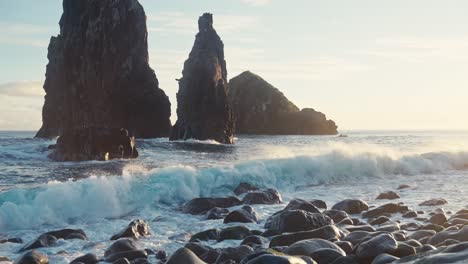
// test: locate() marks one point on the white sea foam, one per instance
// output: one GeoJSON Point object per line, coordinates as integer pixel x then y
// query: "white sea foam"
{"type": "Point", "coordinates": [98, 197]}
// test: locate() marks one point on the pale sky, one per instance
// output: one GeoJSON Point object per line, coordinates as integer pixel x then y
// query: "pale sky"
{"type": "Point", "coordinates": [367, 64]}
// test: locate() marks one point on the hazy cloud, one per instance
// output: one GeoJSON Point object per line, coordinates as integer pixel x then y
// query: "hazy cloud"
{"type": "Point", "coordinates": [25, 34]}
{"type": "Point", "coordinates": [22, 89]}
{"type": "Point", "coordinates": [178, 22]}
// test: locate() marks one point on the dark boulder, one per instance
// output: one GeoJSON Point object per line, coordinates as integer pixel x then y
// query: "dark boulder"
{"type": "Point", "coordinates": [254, 241]}
{"type": "Point", "coordinates": [130, 255]}
{"type": "Point", "coordinates": [329, 232]}
{"type": "Point", "coordinates": [273, 259]}
{"type": "Point", "coordinates": [216, 213]}
{"type": "Point", "coordinates": [403, 186]}
{"type": "Point", "coordinates": [388, 195]}
{"type": "Point", "coordinates": [121, 245]}
{"type": "Point", "coordinates": [336, 215]}
{"type": "Point", "coordinates": [244, 188]}
{"type": "Point", "coordinates": [389, 208]}
{"type": "Point", "coordinates": [296, 220]}
{"type": "Point", "coordinates": [89, 258]}
{"type": "Point", "coordinates": [136, 229]}
{"type": "Point", "coordinates": [203, 110]}
{"type": "Point", "coordinates": [326, 255]}
{"type": "Point", "coordinates": [210, 234]}
{"type": "Point", "coordinates": [203, 205]}
{"type": "Point", "coordinates": [300, 204]}
{"type": "Point", "coordinates": [49, 239]}
{"type": "Point", "coordinates": [383, 243]}
{"type": "Point", "coordinates": [244, 215]}
{"type": "Point", "coordinates": [460, 235]}
{"type": "Point", "coordinates": [384, 258]}
{"type": "Point", "coordinates": [438, 219]}
{"type": "Point", "coordinates": [410, 214]}
{"type": "Point", "coordinates": [268, 196]}
{"type": "Point", "coordinates": [346, 246]}
{"type": "Point", "coordinates": [434, 202]}
{"type": "Point", "coordinates": [234, 233]}
{"type": "Point", "coordinates": [99, 84]}
{"type": "Point", "coordinates": [318, 203]}
{"type": "Point", "coordinates": [308, 247]}
{"type": "Point", "coordinates": [185, 256]}
{"type": "Point", "coordinates": [260, 108]}
{"type": "Point", "coordinates": [15, 240]}
{"type": "Point", "coordinates": [351, 206]}
{"type": "Point", "coordinates": [234, 254]}
{"type": "Point", "coordinates": [32, 257]}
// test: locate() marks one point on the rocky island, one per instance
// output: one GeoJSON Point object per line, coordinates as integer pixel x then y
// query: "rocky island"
{"type": "Point", "coordinates": [203, 110]}
{"type": "Point", "coordinates": [100, 89]}
{"type": "Point", "coordinates": [260, 108]}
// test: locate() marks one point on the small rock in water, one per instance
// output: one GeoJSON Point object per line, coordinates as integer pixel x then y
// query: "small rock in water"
{"type": "Point", "coordinates": [234, 233]}
{"type": "Point", "coordinates": [434, 202]}
{"type": "Point", "coordinates": [216, 213]}
{"type": "Point", "coordinates": [319, 203]}
{"type": "Point", "coordinates": [202, 205]}
{"type": "Point", "coordinates": [244, 187]}
{"type": "Point", "coordinates": [410, 214]}
{"type": "Point", "coordinates": [89, 258]}
{"type": "Point", "coordinates": [389, 208]}
{"type": "Point", "coordinates": [351, 206]}
{"type": "Point", "coordinates": [136, 229]}
{"type": "Point", "coordinates": [268, 196]}
{"type": "Point", "coordinates": [403, 186]}
{"type": "Point", "coordinates": [15, 240]}
{"type": "Point", "coordinates": [32, 257]}
{"type": "Point", "coordinates": [244, 215]}
{"type": "Point", "coordinates": [329, 232]}
{"type": "Point", "coordinates": [389, 195]}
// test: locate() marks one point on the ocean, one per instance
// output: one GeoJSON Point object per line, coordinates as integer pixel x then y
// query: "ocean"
{"type": "Point", "coordinates": [39, 195]}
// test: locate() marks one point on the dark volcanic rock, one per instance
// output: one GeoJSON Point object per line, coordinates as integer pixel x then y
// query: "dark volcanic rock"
{"type": "Point", "coordinates": [308, 247]}
{"type": "Point", "coordinates": [300, 204]}
{"type": "Point", "coordinates": [136, 229]}
{"type": "Point", "coordinates": [375, 246]}
{"type": "Point", "coordinates": [216, 213]}
{"type": "Point", "coordinates": [203, 205]}
{"type": "Point", "coordinates": [351, 206]}
{"type": "Point", "coordinates": [184, 255]}
{"type": "Point", "coordinates": [329, 232]}
{"type": "Point", "coordinates": [244, 215]}
{"type": "Point", "coordinates": [50, 238]}
{"type": "Point", "coordinates": [243, 188]}
{"type": "Point", "coordinates": [260, 108]}
{"type": "Point", "coordinates": [434, 202]}
{"type": "Point", "coordinates": [389, 195]}
{"type": "Point", "coordinates": [203, 110]}
{"type": "Point", "coordinates": [389, 208]}
{"type": "Point", "coordinates": [32, 257]}
{"type": "Point", "coordinates": [296, 220]}
{"type": "Point", "coordinates": [89, 258]}
{"type": "Point", "coordinates": [121, 245]}
{"type": "Point", "coordinates": [98, 81]}
{"type": "Point", "coordinates": [268, 196]}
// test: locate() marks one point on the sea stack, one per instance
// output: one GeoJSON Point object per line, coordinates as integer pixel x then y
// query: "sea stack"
{"type": "Point", "coordinates": [260, 108]}
{"type": "Point", "coordinates": [100, 90]}
{"type": "Point", "coordinates": [203, 111]}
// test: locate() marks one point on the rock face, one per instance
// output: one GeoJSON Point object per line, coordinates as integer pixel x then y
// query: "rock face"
{"type": "Point", "coordinates": [98, 81]}
{"type": "Point", "coordinates": [203, 111]}
{"type": "Point", "coordinates": [260, 108]}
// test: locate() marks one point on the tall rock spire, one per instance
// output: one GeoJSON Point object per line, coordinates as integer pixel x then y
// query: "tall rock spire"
{"type": "Point", "coordinates": [100, 90]}
{"type": "Point", "coordinates": [203, 110]}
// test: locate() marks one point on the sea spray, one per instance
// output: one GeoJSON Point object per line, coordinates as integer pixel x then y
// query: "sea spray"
{"type": "Point", "coordinates": [98, 197]}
